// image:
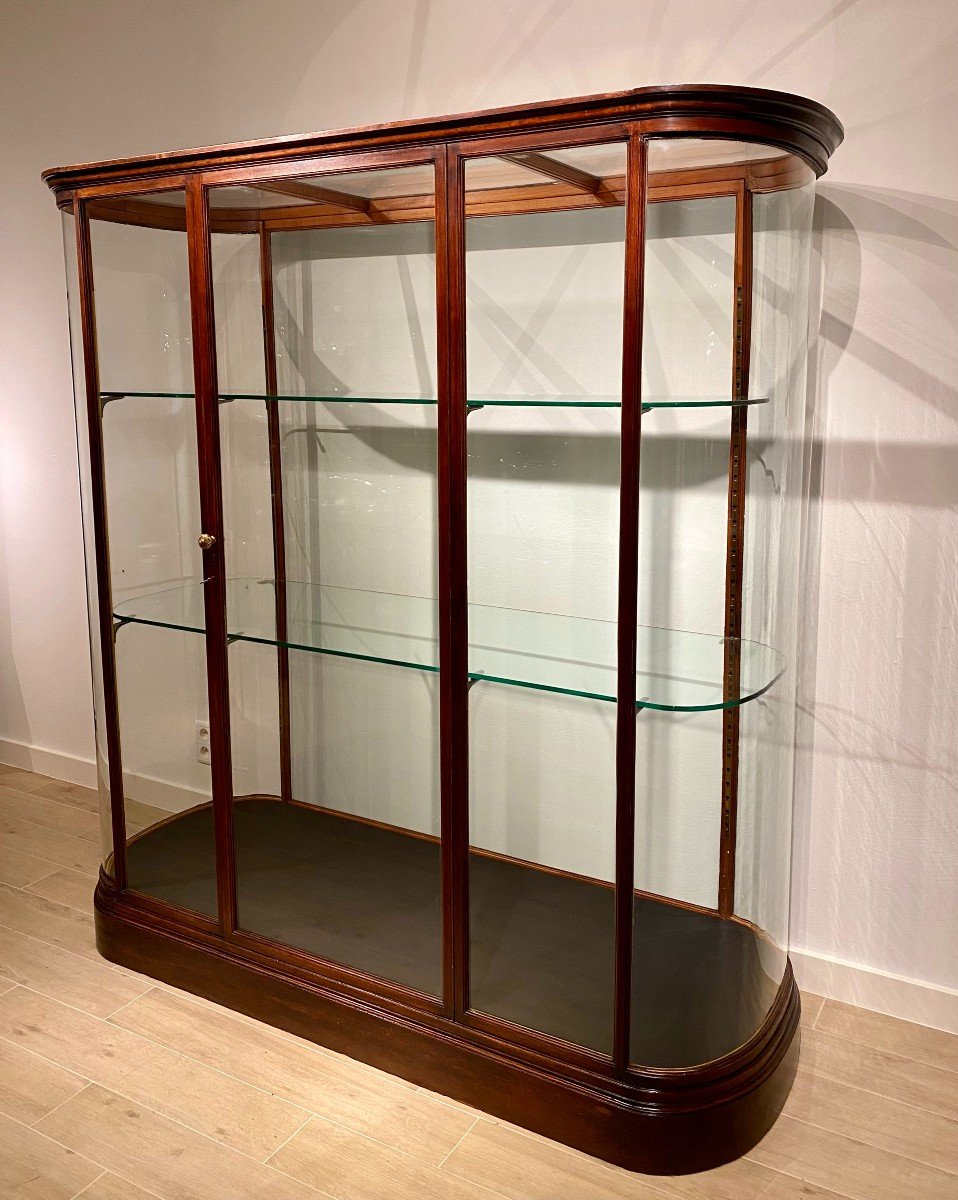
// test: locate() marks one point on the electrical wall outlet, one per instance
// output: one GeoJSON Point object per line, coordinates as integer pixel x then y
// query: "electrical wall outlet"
{"type": "Point", "coordinates": [203, 754]}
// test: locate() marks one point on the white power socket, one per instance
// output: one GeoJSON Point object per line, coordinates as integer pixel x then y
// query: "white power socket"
{"type": "Point", "coordinates": [203, 753]}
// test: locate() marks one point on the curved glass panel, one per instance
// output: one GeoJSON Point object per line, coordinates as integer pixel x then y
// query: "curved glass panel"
{"type": "Point", "coordinates": [725, 305]}
{"type": "Point", "coordinates": [781, 250]}
{"type": "Point", "coordinates": [89, 546]}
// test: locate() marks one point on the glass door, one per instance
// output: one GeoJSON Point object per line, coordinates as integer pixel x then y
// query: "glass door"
{"type": "Point", "coordinates": [130, 304]}
{"type": "Point", "coordinates": [324, 291]}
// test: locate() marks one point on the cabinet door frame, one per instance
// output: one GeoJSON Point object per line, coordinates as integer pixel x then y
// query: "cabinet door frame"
{"type": "Point", "coordinates": [84, 202]}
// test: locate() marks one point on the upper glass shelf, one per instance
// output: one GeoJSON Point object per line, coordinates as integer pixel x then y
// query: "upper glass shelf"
{"type": "Point", "coordinates": [576, 656]}
{"type": "Point", "coordinates": [648, 402]}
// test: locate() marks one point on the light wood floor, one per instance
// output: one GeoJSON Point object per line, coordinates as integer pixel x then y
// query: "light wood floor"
{"type": "Point", "coordinates": [113, 1087]}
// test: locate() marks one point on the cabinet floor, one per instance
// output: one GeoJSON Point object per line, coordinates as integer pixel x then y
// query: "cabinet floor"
{"type": "Point", "coordinates": [368, 897]}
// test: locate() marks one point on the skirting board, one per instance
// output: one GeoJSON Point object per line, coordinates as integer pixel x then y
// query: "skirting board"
{"type": "Point", "coordinates": [68, 767]}
{"type": "Point", "coordinates": [72, 769]}
{"type": "Point", "coordinates": [834, 978]}
{"type": "Point", "coordinates": [159, 793]}
{"type": "Point", "coordinates": [880, 991]}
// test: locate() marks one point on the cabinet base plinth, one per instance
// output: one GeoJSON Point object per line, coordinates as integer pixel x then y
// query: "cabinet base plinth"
{"type": "Point", "coordinates": [665, 1122]}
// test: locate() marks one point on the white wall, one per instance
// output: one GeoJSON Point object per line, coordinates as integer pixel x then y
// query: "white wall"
{"type": "Point", "coordinates": [876, 833]}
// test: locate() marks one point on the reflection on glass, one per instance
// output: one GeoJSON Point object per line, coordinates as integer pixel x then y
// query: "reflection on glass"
{"type": "Point", "coordinates": [331, 529]}
{"type": "Point", "coordinates": [141, 285]}
{"type": "Point", "coordinates": [169, 821]}
{"type": "Point", "coordinates": [703, 984]}
{"type": "Point", "coordinates": [544, 310]}
{"type": "Point", "coordinates": [781, 250]}
{"type": "Point", "coordinates": [699, 986]}
{"type": "Point", "coordinates": [689, 322]}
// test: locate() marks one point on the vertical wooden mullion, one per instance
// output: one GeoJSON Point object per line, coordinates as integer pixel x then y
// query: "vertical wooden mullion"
{"type": "Point", "coordinates": [628, 594]}
{"type": "Point", "coordinates": [276, 501]}
{"type": "Point", "coordinates": [211, 516]}
{"type": "Point", "coordinates": [735, 545]}
{"type": "Point", "coordinates": [101, 541]}
{"type": "Point", "coordinates": [453, 591]}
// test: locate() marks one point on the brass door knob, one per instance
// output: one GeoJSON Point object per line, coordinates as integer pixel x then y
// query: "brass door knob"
{"type": "Point", "coordinates": [206, 541]}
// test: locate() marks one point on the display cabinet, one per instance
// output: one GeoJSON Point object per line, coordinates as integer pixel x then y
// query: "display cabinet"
{"type": "Point", "coordinates": [442, 500]}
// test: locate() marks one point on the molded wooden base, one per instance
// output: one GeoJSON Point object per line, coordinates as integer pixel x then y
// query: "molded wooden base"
{"type": "Point", "coordinates": [656, 1121]}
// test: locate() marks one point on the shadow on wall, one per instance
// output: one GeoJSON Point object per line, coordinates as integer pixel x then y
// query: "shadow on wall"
{"type": "Point", "coordinates": [877, 696]}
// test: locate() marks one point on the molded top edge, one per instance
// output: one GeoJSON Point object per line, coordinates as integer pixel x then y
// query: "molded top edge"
{"type": "Point", "coordinates": [797, 124]}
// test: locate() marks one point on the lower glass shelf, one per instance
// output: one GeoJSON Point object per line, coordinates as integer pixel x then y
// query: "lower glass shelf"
{"type": "Point", "coordinates": [676, 670]}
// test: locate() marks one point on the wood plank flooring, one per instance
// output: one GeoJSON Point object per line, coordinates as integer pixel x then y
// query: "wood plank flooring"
{"type": "Point", "coordinates": [114, 1087]}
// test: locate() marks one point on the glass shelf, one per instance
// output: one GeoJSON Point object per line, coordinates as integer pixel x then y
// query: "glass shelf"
{"type": "Point", "coordinates": [575, 656]}
{"type": "Point", "coordinates": [648, 403]}
{"type": "Point", "coordinates": [485, 402]}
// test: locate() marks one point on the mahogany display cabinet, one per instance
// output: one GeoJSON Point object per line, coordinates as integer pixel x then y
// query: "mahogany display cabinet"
{"type": "Point", "coordinates": [442, 501]}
